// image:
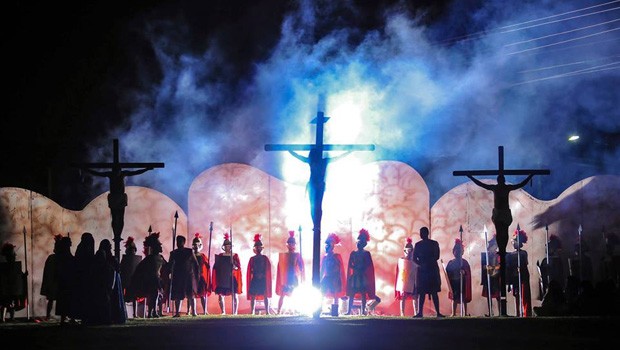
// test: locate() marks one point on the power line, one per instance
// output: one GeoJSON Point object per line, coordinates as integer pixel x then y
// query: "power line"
{"type": "Point", "coordinates": [596, 69]}
{"type": "Point", "coordinates": [563, 42]}
{"type": "Point", "coordinates": [501, 30]}
{"type": "Point", "coordinates": [561, 33]}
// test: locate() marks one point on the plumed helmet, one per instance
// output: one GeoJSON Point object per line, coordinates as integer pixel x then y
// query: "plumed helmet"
{"type": "Point", "coordinates": [409, 243]}
{"type": "Point", "coordinates": [227, 240]}
{"type": "Point", "coordinates": [520, 236]}
{"type": "Point", "coordinates": [152, 241]}
{"type": "Point", "coordinates": [333, 239]}
{"type": "Point", "coordinates": [363, 235]}
{"type": "Point", "coordinates": [257, 241]}
{"type": "Point", "coordinates": [458, 247]}
{"type": "Point", "coordinates": [197, 238]}
{"type": "Point", "coordinates": [291, 238]}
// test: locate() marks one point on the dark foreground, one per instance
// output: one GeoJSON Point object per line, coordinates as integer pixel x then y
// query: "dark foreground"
{"type": "Point", "coordinates": [288, 332]}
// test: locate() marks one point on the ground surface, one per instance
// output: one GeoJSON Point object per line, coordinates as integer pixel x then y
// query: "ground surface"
{"type": "Point", "coordinates": [345, 332]}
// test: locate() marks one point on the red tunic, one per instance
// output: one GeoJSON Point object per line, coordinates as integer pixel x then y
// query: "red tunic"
{"type": "Point", "coordinates": [204, 275]}
{"type": "Point", "coordinates": [361, 275]}
{"type": "Point", "coordinates": [333, 283]}
{"type": "Point", "coordinates": [221, 276]}
{"type": "Point", "coordinates": [258, 277]}
{"type": "Point", "coordinates": [290, 273]}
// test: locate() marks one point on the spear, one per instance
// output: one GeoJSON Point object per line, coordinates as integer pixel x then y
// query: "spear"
{"type": "Point", "coordinates": [486, 252]}
{"type": "Point", "coordinates": [300, 246]}
{"type": "Point", "coordinates": [461, 272]}
{"type": "Point", "coordinates": [520, 310]}
{"type": "Point", "coordinates": [232, 271]}
{"type": "Point", "coordinates": [26, 275]}
{"type": "Point", "coordinates": [580, 254]}
{"type": "Point", "coordinates": [547, 253]}
{"type": "Point", "coordinates": [210, 238]}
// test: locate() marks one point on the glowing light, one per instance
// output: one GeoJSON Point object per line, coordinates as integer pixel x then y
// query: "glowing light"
{"type": "Point", "coordinates": [573, 138]}
{"type": "Point", "coordinates": [306, 299]}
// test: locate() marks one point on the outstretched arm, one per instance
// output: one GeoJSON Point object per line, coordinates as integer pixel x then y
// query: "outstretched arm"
{"type": "Point", "coordinates": [137, 172]}
{"type": "Point", "coordinates": [97, 173]}
{"type": "Point", "coordinates": [481, 184]}
{"type": "Point", "coordinates": [522, 183]}
{"type": "Point", "coordinates": [331, 159]}
{"type": "Point", "coordinates": [300, 157]}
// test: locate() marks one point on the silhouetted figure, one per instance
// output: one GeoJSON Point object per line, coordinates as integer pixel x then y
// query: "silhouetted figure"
{"type": "Point", "coordinates": [184, 276]}
{"type": "Point", "coordinates": [581, 262]}
{"type": "Point", "coordinates": [426, 254]}
{"type": "Point", "coordinates": [129, 262]}
{"type": "Point", "coordinates": [13, 283]}
{"type": "Point", "coordinates": [117, 198]}
{"type": "Point", "coordinates": [554, 270]}
{"type": "Point", "coordinates": [66, 278]}
{"type": "Point", "coordinates": [333, 278]}
{"type": "Point", "coordinates": [227, 276]}
{"type": "Point", "coordinates": [611, 258]}
{"type": "Point", "coordinates": [290, 272]}
{"type": "Point", "coordinates": [406, 274]}
{"type": "Point", "coordinates": [84, 272]}
{"type": "Point", "coordinates": [502, 216]}
{"type": "Point", "coordinates": [204, 273]}
{"type": "Point", "coordinates": [459, 276]}
{"type": "Point", "coordinates": [146, 281]}
{"type": "Point", "coordinates": [360, 273]}
{"type": "Point", "coordinates": [49, 282]}
{"type": "Point", "coordinates": [108, 304]}
{"type": "Point", "coordinates": [554, 301]}
{"type": "Point", "coordinates": [490, 274]}
{"type": "Point", "coordinates": [316, 185]}
{"type": "Point", "coordinates": [258, 277]}
{"type": "Point", "coordinates": [518, 275]}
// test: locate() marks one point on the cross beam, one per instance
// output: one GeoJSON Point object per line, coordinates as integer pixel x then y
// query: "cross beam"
{"type": "Point", "coordinates": [502, 218]}
{"type": "Point", "coordinates": [317, 182]}
{"type": "Point", "coordinates": [117, 199]}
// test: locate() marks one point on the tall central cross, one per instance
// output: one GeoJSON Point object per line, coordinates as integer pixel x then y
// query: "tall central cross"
{"type": "Point", "coordinates": [117, 198]}
{"type": "Point", "coordinates": [316, 185]}
{"type": "Point", "coordinates": [502, 217]}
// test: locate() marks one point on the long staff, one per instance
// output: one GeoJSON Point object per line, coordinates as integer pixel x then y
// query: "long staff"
{"type": "Point", "coordinates": [210, 238]}
{"type": "Point", "coordinates": [486, 252]}
{"type": "Point", "coordinates": [461, 272]}
{"type": "Point", "coordinates": [300, 245]}
{"type": "Point", "coordinates": [232, 271]}
{"type": "Point", "coordinates": [25, 284]}
{"type": "Point", "coordinates": [580, 255]}
{"type": "Point", "coordinates": [520, 310]}
{"type": "Point", "coordinates": [547, 254]}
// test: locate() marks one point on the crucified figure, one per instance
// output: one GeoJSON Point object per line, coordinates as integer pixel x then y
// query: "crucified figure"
{"type": "Point", "coordinates": [117, 198]}
{"type": "Point", "coordinates": [502, 217]}
{"type": "Point", "coordinates": [316, 185]}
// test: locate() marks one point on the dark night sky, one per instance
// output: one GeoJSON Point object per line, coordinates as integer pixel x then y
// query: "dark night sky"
{"type": "Point", "coordinates": [199, 83]}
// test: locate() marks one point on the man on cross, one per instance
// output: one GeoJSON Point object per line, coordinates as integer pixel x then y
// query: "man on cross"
{"type": "Point", "coordinates": [117, 198]}
{"type": "Point", "coordinates": [502, 216]}
{"type": "Point", "coordinates": [316, 185]}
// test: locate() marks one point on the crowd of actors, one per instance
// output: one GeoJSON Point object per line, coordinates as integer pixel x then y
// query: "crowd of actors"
{"type": "Point", "coordinates": [92, 288]}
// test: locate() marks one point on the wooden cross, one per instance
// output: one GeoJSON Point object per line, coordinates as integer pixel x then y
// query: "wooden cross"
{"type": "Point", "coordinates": [316, 184]}
{"type": "Point", "coordinates": [501, 217]}
{"type": "Point", "coordinates": [117, 198]}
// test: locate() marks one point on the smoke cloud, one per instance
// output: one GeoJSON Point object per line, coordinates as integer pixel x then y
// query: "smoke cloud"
{"type": "Point", "coordinates": [440, 93]}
